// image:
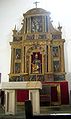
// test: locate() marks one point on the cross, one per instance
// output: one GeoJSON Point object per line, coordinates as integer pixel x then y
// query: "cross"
{"type": "Point", "coordinates": [36, 3]}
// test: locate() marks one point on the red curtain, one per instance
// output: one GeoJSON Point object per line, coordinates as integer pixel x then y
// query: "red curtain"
{"type": "Point", "coordinates": [54, 97]}
{"type": "Point", "coordinates": [64, 91]}
{"type": "Point", "coordinates": [22, 95]}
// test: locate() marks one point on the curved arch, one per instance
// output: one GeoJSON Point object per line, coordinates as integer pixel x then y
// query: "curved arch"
{"type": "Point", "coordinates": [36, 48]}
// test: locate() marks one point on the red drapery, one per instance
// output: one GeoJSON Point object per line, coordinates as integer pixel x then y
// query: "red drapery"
{"type": "Point", "coordinates": [63, 89]}
{"type": "Point", "coordinates": [23, 95]}
{"type": "Point", "coordinates": [64, 93]}
{"type": "Point", "coordinates": [54, 97]}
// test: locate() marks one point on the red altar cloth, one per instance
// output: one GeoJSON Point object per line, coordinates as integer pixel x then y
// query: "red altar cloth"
{"type": "Point", "coordinates": [64, 91]}
{"type": "Point", "coordinates": [23, 95]}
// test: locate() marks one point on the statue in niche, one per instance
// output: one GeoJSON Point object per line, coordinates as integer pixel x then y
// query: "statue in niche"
{"type": "Point", "coordinates": [36, 24]}
{"type": "Point", "coordinates": [55, 51]}
{"type": "Point", "coordinates": [36, 65]}
{"type": "Point", "coordinates": [18, 53]}
{"type": "Point", "coordinates": [17, 67]}
{"type": "Point", "coordinates": [56, 66]}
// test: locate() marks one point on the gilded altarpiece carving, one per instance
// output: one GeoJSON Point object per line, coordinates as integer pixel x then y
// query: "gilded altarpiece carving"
{"type": "Point", "coordinates": [37, 54]}
{"type": "Point", "coordinates": [35, 59]}
{"type": "Point", "coordinates": [36, 62]}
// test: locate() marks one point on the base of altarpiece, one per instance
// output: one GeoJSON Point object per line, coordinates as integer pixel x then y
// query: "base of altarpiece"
{"type": "Point", "coordinates": [52, 93]}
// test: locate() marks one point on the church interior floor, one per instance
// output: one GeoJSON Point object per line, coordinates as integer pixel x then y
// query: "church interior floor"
{"type": "Point", "coordinates": [50, 110]}
{"type": "Point", "coordinates": [56, 109]}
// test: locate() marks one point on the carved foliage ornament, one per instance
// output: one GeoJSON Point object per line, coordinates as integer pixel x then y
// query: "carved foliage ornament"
{"type": "Point", "coordinates": [35, 47]}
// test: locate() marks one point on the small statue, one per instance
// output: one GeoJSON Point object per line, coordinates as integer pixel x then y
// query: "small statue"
{"type": "Point", "coordinates": [36, 65]}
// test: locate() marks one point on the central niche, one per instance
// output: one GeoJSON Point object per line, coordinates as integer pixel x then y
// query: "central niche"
{"type": "Point", "coordinates": [36, 24]}
{"type": "Point", "coordinates": [36, 63]}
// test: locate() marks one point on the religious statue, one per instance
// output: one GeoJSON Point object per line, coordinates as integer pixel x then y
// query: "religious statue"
{"type": "Point", "coordinates": [17, 67]}
{"type": "Point", "coordinates": [56, 66]}
{"type": "Point", "coordinates": [18, 53]}
{"type": "Point", "coordinates": [55, 51]}
{"type": "Point", "coordinates": [36, 65]}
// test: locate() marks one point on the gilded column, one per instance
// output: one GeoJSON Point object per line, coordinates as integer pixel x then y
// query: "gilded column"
{"type": "Point", "coordinates": [30, 26]}
{"type": "Point", "coordinates": [28, 23]}
{"type": "Point", "coordinates": [22, 59]}
{"type": "Point", "coordinates": [12, 61]}
{"type": "Point", "coordinates": [49, 57]}
{"type": "Point", "coordinates": [43, 23]}
{"type": "Point", "coordinates": [25, 59]}
{"type": "Point", "coordinates": [46, 59]}
{"type": "Point", "coordinates": [30, 65]}
{"type": "Point", "coordinates": [25, 25]}
{"type": "Point", "coordinates": [62, 57]}
{"type": "Point", "coordinates": [43, 63]}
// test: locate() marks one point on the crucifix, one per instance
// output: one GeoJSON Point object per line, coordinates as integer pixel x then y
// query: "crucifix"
{"type": "Point", "coordinates": [36, 3]}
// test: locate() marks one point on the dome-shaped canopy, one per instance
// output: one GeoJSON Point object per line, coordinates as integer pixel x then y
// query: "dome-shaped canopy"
{"type": "Point", "coordinates": [36, 11]}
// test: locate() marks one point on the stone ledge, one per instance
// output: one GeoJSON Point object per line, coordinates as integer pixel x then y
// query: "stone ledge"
{"type": "Point", "coordinates": [21, 85]}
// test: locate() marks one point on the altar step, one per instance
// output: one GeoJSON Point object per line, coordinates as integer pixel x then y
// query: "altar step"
{"type": "Point", "coordinates": [20, 114]}
{"type": "Point", "coordinates": [47, 109]}
{"type": "Point", "coordinates": [20, 110]}
{"type": "Point", "coordinates": [55, 109]}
